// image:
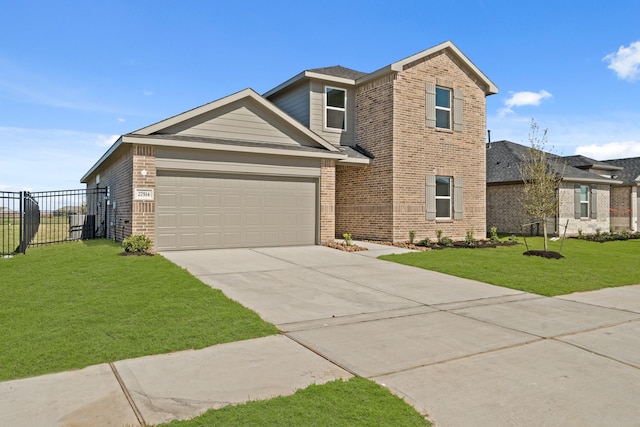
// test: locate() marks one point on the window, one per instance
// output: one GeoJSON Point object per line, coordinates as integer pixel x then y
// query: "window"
{"type": "Point", "coordinates": [584, 201]}
{"type": "Point", "coordinates": [443, 108]}
{"type": "Point", "coordinates": [443, 197]}
{"type": "Point", "coordinates": [335, 111]}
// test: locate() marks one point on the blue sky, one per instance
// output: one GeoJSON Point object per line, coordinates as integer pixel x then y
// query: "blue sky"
{"type": "Point", "coordinates": [74, 75]}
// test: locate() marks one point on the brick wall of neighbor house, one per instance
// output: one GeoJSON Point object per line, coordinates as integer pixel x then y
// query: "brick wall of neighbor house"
{"type": "Point", "coordinates": [143, 212]}
{"type": "Point", "coordinates": [504, 208]}
{"type": "Point", "coordinates": [327, 200]}
{"type": "Point", "coordinates": [620, 208]}
{"type": "Point", "coordinates": [117, 175]}
{"type": "Point", "coordinates": [364, 193]}
{"type": "Point", "coordinates": [419, 151]}
{"type": "Point", "coordinates": [567, 206]}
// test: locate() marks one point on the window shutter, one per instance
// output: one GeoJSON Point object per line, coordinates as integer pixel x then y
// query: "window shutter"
{"type": "Point", "coordinates": [457, 198]}
{"type": "Point", "coordinates": [593, 203]}
{"type": "Point", "coordinates": [576, 201]}
{"type": "Point", "coordinates": [431, 108]}
{"type": "Point", "coordinates": [430, 198]}
{"type": "Point", "coordinates": [458, 121]}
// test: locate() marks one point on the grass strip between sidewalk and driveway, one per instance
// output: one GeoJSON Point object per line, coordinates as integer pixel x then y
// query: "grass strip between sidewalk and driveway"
{"type": "Point", "coordinates": [357, 402]}
{"type": "Point", "coordinates": [71, 305]}
{"type": "Point", "coordinates": [586, 266]}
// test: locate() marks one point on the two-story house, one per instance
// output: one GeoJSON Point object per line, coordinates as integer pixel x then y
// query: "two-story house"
{"type": "Point", "coordinates": [329, 151]}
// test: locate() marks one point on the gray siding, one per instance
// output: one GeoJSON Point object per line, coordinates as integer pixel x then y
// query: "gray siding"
{"type": "Point", "coordinates": [295, 102]}
{"type": "Point", "coordinates": [168, 158]}
{"type": "Point", "coordinates": [317, 114]}
{"type": "Point", "coordinates": [242, 121]}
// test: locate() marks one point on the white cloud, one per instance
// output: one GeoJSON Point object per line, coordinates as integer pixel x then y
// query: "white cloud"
{"type": "Point", "coordinates": [147, 93]}
{"type": "Point", "coordinates": [626, 61]}
{"type": "Point", "coordinates": [106, 140]}
{"type": "Point", "coordinates": [611, 150]}
{"type": "Point", "coordinates": [47, 159]}
{"type": "Point", "coordinates": [523, 98]}
{"type": "Point", "coordinates": [121, 120]}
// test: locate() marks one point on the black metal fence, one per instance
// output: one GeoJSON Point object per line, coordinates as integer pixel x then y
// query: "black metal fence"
{"type": "Point", "coordinates": [38, 218]}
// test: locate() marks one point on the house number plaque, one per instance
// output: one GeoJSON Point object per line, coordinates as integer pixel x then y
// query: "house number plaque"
{"type": "Point", "coordinates": [143, 194]}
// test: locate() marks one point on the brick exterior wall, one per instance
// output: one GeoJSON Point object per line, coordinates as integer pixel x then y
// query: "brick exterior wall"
{"type": "Point", "coordinates": [505, 209]}
{"type": "Point", "coordinates": [364, 194]}
{"type": "Point", "coordinates": [327, 200]}
{"type": "Point", "coordinates": [387, 199]}
{"type": "Point", "coordinates": [143, 217]}
{"type": "Point", "coordinates": [587, 225]}
{"type": "Point", "coordinates": [117, 175]}
{"type": "Point", "coordinates": [622, 208]}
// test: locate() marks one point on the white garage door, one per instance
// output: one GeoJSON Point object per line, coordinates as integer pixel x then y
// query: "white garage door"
{"type": "Point", "coordinates": [233, 211]}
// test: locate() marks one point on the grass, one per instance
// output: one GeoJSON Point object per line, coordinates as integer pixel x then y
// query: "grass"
{"type": "Point", "coordinates": [587, 265]}
{"type": "Point", "coordinates": [357, 402]}
{"type": "Point", "coordinates": [76, 304]}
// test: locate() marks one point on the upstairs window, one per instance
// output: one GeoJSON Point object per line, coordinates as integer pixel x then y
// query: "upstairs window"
{"type": "Point", "coordinates": [443, 108]}
{"type": "Point", "coordinates": [335, 108]}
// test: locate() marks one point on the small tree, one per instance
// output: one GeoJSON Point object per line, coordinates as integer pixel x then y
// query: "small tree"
{"type": "Point", "coordinates": [542, 173]}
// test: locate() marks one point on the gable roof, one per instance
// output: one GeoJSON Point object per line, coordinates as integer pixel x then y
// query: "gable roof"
{"type": "Point", "coordinates": [154, 135]}
{"type": "Point", "coordinates": [505, 157]}
{"type": "Point", "coordinates": [339, 71]}
{"type": "Point", "coordinates": [583, 162]}
{"type": "Point", "coordinates": [448, 45]}
{"type": "Point", "coordinates": [351, 77]}
{"type": "Point", "coordinates": [630, 173]}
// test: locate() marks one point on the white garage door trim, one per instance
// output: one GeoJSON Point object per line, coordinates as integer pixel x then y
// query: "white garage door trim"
{"type": "Point", "coordinates": [209, 211]}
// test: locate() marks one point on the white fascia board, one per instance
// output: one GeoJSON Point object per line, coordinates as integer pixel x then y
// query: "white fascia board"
{"type": "Point", "coordinates": [309, 75]}
{"type": "Point", "coordinates": [104, 157]}
{"type": "Point", "coordinates": [194, 112]}
{"type": "Point", "coordinates": [399, 65]}
{"type": "Point", "coordinates": [352, 161]}
{"type": "Point", "coordinates": [131, 139]}
{"type": "Point", "coordinates": [246, 93]}
{"type": "Point", "coordinates": [593, 181]}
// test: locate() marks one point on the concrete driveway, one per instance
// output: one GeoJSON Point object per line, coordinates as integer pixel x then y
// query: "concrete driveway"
{"type": "Point", "coordinates": [462, 352]}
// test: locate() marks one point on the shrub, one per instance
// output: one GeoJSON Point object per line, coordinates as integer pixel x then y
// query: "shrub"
{"type": "Point", "coordinates": [493, 235]}
{"type": "Point", "coordinates": [347, 239]}
{"type": "Point", "coordinates": [426, 242]}
{"type": "Point", "coordinates": [412, 236]}
{"type": "Point", "coordinates": [137, 243]}
{"type": "Point", "coordinates": [469, 240]}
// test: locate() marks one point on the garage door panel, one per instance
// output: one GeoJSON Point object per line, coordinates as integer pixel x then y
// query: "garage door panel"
{"type": "Point", "coordinates": [217, 211]}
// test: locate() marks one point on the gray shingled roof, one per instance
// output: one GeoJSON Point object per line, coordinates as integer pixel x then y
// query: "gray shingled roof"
{"type": "Point", "coordinates": [583, 162]}
{"type": "Point", "coordinates": [504, 159]}
{"type": "Point", "coordinates": [339, 71]}
{"type": "Point", "coordinates": [630, 174]}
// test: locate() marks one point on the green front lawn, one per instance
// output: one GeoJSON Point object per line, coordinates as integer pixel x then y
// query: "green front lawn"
{"type": "Point", "coordinates": [357, 402]}
{"type": "Point", "coordinates": [72, 305]}
{"type": "Point", "coordinates": [587, 265]}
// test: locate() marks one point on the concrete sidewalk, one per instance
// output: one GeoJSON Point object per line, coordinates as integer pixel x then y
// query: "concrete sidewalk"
{"type": "Point", "coordinates": [462, 352]}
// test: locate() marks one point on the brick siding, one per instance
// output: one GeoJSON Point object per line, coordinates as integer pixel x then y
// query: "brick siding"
{"type": "Point", "coordinates": [387, 199]}
{"type": "Point", "coordinates": [327, 200]}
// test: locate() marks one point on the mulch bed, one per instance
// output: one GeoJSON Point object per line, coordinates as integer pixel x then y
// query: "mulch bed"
{"type": "Point", "coordinates": [344, 247]}
{"type": "Point", "coordinates": [543, 254]}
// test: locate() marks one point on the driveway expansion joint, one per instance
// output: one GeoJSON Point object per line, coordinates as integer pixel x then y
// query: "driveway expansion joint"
{"type": "Point", "coordinates": [127, 395]}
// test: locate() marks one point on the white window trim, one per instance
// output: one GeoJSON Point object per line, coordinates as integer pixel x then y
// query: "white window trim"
{"type": "Point", "coordinates": [327, 107]}
{"type": "Point", "coordinates": [448, 110]}
{"type": "Point", "coordinates": [449, 198]}
{"type": "Point", "coordinates": [587, 202]}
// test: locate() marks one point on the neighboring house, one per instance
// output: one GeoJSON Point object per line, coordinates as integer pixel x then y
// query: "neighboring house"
{"type": "Point", "coordinates": [585, 192]}
{"type": "Point", "coordinates": [625, 198]}
{"type": "Point", "coordinates": [329, 151]}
